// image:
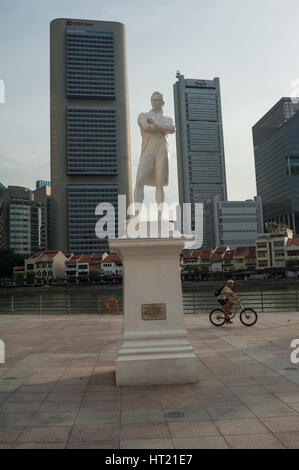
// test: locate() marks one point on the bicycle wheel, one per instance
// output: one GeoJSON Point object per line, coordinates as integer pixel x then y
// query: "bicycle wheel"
{"type": "Point", "coordinates": [248, 317]}
{"type": "Point", "coordinates": [217, 317]}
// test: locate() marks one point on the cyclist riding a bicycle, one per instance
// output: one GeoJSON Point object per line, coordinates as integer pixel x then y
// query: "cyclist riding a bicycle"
{"type": "Point", "coordinates": [224, 300]}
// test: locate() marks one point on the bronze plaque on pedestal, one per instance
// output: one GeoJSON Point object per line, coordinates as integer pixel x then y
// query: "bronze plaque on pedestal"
{"type": "Point", "coordinates": [153, 311]}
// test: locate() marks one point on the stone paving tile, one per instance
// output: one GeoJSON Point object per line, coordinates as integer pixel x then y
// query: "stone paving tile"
{"type": "Point", "coordinates": [282, 423]}
{"type": "Point", "coordinates": [10, 434]}
{"type": "Point", "coordinates": [295, 406]}
{"type": "Point", "coordinates": [289, 397]}
{"type": "Point", "coordinates": [192, 429]}
{"type": "Point", "coordinates": [98, 417]}
{"type": "Point", "coordinates": [93, 445]}
{"type": "Point", "coordinates": [266, 399]}
{"type": "Point", "coordinates": [241, 390]}
{"type": "Point", "coordinates": [100, 432]}
{"type": "Point", "coordinates": [37, 388]}
{"type": "Point", "coordinates": [61, 397]}
{"type": "Point", "coordinates": [140, 404]}
{"type": "Point", "coordinates": [179, 402]}
{"type": "Point", "coordinates": [242, 378]}
{"type": "Point", "coordinates": [15, 419]}
{"type": "Point", "coordinates": [142, 416]}
{"type": "Point", "coordinates": [211, 442]}
{"type": "Point", "coordinates": [283, 388]}
{"type": "Point", "coordinates": [54, 407]}
{"type": "Point", "coordinates": [34, 445]}
{"type": "Point", "coordinates": [240, 426]}
{"type": "Point", "coordinates": [146, 444]}
{"type": "Point", "coordinates": [19, 407]}
{"type": "Point", "coordinates": [50, 434]}
{"type": "Point", "coordinates": [53, 419]}
{"type": "Point", "coordinates": [289, 439]}
{"type": "Point", "coordinates": [144, 431]}
{"type": "Point", "coordinates": [229, 412]}
{"type": "Point", "coordinates": [99, 396]}
{"type": "Point", "coordinates": [254, 441]}
{"type": "Point", "coordinates": [100, 405]}
{"type": "Point", "coordinates": [62, 387]}
{"type": "Point", "coordinates": [189, 414]}
{"type": "Point", "coordinates": [27, 397]}
{"type": "Point", "coordinates": [4, 396]}
{"type": "Point", "coordinates": [265, 410]}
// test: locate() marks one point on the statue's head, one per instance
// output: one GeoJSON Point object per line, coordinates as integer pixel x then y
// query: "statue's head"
{"type": "Point", "coordinates": [157, 100]}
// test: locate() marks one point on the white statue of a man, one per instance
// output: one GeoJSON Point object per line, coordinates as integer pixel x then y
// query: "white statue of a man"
{"type": "Point", "coordinates": [153, 164]}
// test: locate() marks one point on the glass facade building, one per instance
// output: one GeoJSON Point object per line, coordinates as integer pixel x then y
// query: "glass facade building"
{"type": "Point", "coordinates": [91, 141]}
{"type": "Point", "coordinates": [82, 200]}
{"type": "Point", "coordinates": [235, 223]}
{"type": "Point", "coordinates": [89, 128]}
{"type": "Point", "coordinates": [20, 221]}
{"type": "Point", "coordinates": [90, 63]}
{"type": "Point", "coordinates": [276, 154]}
{"type": "Point", "coordinates": [199, 139]}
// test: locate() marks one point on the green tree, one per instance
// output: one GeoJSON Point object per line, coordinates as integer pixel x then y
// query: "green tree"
{"type": "Point", "coordinates": [8, 260]}
{"type": "Point", "coordinates": [94, 274]}
{"type": "Point", "coordinates": [192, 268]}
{"type": "Point", "coordinates": [18, 276]}
{"type": "Point", "coordinates": [292, 263]}
{"type": "Point", "coordinates": [30, 275]}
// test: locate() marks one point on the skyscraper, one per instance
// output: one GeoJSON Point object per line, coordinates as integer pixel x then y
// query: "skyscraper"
{"type": "Point", "coordinates": [276, 154]}
{"type": "Point", "coordinates": [90, 155]}
{"type": "Point", "coordinates": [199, 138]}
{"type": "Point", "coordinates": [42, 195]}
{"type": "Point", "coordinates": [20, 220]}
{"type": "Point", "coordinates": [235, 223]}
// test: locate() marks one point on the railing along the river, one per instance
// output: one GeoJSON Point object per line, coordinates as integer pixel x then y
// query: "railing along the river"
{"type": "Point", "coordinates": [196, 302]}
{"type": "Point", "coordinates": [193, 302]}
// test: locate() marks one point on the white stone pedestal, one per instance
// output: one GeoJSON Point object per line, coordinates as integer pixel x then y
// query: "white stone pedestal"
{"type": "Point", "coordinates": [155, 349]}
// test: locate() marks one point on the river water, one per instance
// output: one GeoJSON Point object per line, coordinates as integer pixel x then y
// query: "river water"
{"type": "Point", "coordinates": [92, 299]}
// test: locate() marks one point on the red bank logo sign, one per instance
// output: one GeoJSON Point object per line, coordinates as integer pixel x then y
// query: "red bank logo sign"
{"type": "Point", "coordinates": [78, 23]}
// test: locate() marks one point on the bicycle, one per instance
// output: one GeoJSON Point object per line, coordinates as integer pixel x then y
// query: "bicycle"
{"type": "Point", "coordinates": [248, 316]}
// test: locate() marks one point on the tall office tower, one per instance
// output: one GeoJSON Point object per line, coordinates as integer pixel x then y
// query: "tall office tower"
{"type": "Point", "coordinates": [199, 141]}
{"type": "Point", "coordinates": [41, 183]}
{"type": "Point", "coordinates": [276, 154]}
{"type": "Point", "coordinates": [20, 223]}
{"type": "Point", "coordinates": [235, 223]}
{"type": "Point", "coordinates": [42, 195]}
{"type": "Point", "coordinates": [90, 155]}
{"type": "Point", "coordinates": [2, 189]}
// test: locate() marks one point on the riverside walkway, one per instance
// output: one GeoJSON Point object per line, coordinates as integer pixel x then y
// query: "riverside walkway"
{"type": "Point", "coordinates": [57, 387]}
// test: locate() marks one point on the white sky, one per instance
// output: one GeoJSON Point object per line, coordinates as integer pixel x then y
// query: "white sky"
{"type": "Point", "coordinates": [252, 45]}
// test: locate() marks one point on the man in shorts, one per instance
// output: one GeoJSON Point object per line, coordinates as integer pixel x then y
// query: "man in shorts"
{"type": "Point", "coordinates": [223, 299]}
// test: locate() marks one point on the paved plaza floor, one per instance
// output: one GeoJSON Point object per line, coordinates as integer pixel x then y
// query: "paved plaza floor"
{"type": "Point", "coordinates": [57, 387]}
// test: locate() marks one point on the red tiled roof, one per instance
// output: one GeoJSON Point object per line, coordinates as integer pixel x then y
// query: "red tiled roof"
{"type": "Point", "coordinates": [84, 258]}
{"type": "Point", "coordinates": [228, 256]}
{"type": "Point", "coordinates": [221, 249]}
{"type": "Point", "coordinates": [73, 259]}
{"type": "Point", "coordinates": [49, 253]}
{"type": "Point", "coordinates": [195, 254]}
{"type": "Point", "coordinates": [293, 241]}
{"type": "Point", "coordinates": [111, 259]}
{"type": "Point", "coordinates": [96, 257]}
{"type": "Point", "coordinates": [36, 255]}
{"type": "Point", "coordinates": [206, 251]}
